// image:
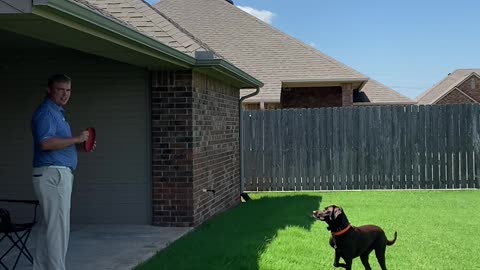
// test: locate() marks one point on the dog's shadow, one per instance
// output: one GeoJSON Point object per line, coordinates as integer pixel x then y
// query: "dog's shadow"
{"type": "Point", "coordinates": [241, 234]}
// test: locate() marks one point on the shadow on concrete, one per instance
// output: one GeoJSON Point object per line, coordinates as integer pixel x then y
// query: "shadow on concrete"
{"type": "Point", "coordinates": [107, 247]}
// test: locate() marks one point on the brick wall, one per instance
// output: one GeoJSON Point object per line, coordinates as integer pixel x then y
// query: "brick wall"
{"type": "Point", "coordinates": [195, 145]}
{"type": "Point", "coordinates": [216, 147]}
{"type": "Point", "coordinates": [455, 97]}
{"type": "Point", "coordinates": [272, 106]}
{"type": "Point", "coordinates": [251, 106]}
{"type": "Point", "coordinates": [347, 95]}
{"type": "Point", "coordinates": [172, 148]}
{"type": "Point", "coordinates": [311, 97]}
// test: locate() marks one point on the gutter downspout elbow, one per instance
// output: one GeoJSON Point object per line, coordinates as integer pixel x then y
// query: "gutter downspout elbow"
{"type": "Point", "coordinates": [242, 180]}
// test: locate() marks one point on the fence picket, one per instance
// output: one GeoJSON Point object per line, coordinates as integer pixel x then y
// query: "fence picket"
{"type": "Point", "coordinates": [476, 146]}
{"type": "Point", "coordinates": [456, 146]}
{"type": "Point", "coordinates": [363, 148]}
{"type": "Point", "coordinates": [249, 136]}
{"type": "Point", "coordinates": [268, 150]}
{"type": "Point", "coordinates": [396, 142]}
{"type": "Point", "coordinates": [278, 150]}
{"type": "Point", "coordinates": [325, 154]}
{"type": "Point", "coordinates": [441, 121]}
{"type": "Point", "coordinates": [428, 141]}
{"type": "Point", "coordinates": [449, 141]}
{"type": "Point", "coordinates": [329, 144]}
{"type": "Point", "coordinates": [288, 153]}
{"type": "Point", "coordinates": [370, 146]}
{"type": "Point", "coordinates": [348, 138]}
{"type": "Point", "coordinates": [387, 143]}
{"type": "Point", "coordinates": [420, 139]}
{"type": "Point", "coordinates": [311, 149]}
{"type": "Point", "coordinates": [463, 150]}
{"type": "Point", "coordinates": [470, 150]}
{"type": "Point", "coordinates": [472, 131]}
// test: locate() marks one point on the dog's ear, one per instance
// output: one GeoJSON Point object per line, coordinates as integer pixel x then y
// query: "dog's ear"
{"type": "Point", "coordinates": [335, 213]}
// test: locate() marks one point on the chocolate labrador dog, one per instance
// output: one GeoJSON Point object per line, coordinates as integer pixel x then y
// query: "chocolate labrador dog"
{"type": "Point", "coordinates": [350, 242]}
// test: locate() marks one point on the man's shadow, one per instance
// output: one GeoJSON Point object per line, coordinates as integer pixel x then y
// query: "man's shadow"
{"type": "Point", "coordinates": [236, 239]}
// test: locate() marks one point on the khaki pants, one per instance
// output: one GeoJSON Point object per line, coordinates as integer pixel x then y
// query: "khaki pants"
{"type": "Point", "coordinates": [53, 187]}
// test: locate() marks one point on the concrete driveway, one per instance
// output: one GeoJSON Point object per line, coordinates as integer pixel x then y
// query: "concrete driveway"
{"type": "Point", "coordinates": [108, 247]}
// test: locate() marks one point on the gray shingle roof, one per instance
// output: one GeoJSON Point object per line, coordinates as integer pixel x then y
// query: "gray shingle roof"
{"type": "Point", "coordinates": [257, 48]}
{"type": "Point", "coordinates": [142, 17]}
{"type": "Point", "coordinates": [444, 86]}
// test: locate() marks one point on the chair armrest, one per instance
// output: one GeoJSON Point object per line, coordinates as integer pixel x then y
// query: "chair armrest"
{"type": "Point", "coordinates": [21, 201]}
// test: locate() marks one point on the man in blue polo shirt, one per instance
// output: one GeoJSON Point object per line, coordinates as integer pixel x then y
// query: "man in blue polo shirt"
{"type": "Point", "coordinates": [54, 159]}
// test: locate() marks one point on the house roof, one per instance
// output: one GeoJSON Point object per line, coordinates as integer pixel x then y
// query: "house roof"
{"type": "Point", "coordinates": [87, 26]}
{"type": "Point", "coordinates": [260, 49]}
{"type": "Point", "coordinates": [446, 85]}
{"type": "Point", "coordinates": [145, 19]}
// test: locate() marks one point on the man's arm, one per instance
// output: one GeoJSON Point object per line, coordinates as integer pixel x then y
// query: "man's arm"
{"type": "Point", "coordinates": [61, 143]}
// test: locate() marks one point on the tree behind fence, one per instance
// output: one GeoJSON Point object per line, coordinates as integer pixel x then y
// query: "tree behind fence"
{"type": "Point", "coordinates": [375, 147]}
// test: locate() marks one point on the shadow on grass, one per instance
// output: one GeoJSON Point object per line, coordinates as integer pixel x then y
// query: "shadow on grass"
{"type": "Point", "coordinates": [236, 239]}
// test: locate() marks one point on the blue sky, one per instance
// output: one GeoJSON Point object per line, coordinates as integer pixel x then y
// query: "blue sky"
{"type": "Point", "coordinates": [407, 45]}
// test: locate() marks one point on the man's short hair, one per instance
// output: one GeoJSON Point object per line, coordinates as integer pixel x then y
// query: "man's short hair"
{"type": "Point", "coordinates": [58, 78]}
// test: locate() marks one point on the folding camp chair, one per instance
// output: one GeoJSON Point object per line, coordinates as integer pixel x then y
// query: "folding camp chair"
{"type": "Point", "coordinates": [17, 233]}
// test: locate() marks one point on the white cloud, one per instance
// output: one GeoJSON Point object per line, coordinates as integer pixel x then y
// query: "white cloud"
{"type": "Point", "coordinates": [312, 44]}
{"type": "Point", "coordinates": [263, 15]}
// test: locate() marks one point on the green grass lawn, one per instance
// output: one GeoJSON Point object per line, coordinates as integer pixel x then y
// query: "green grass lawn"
{"type": "Point", "coordinates": [436, 230]}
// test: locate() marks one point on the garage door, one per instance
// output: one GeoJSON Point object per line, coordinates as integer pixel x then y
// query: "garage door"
{"type": "Point", "coordinates": [112, 185]}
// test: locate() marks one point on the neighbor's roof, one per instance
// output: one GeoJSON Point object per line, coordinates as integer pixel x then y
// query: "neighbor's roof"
{"type": "Point", "coordinates": [446, 85]}
{"type": "Point", "coordinates": [260, 50]}
{"type": "Point", "coordinates": [143, 18]}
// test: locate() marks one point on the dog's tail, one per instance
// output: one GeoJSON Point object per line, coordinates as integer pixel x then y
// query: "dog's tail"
{"type": "Point", "coordinates": [391, 242]}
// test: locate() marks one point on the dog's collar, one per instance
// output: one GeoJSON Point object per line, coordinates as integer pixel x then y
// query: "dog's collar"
{"type": "Point", "coordinates": [342, 231]}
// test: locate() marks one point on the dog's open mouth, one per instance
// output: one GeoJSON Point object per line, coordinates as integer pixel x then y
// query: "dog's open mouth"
{"type": "Point", "coordinates": [318, 215]}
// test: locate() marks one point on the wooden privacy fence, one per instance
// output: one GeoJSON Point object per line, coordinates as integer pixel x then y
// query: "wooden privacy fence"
{"type": "Point", "coordinates": [375, 147]}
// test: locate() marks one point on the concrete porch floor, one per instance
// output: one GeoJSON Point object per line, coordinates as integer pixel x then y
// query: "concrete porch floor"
{"type": "Point", "coordinates": [107, 247]}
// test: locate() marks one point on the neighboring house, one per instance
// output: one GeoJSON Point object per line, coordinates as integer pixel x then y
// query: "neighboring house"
{"type": "Point", "coordinates": [460, 86]}
{"type": "Point", "coordinates": [167, 123]}
{"type": "Point", "coordinates": [294, 74]}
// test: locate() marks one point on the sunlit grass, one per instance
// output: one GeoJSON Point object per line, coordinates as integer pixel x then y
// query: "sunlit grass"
{"type": "Point", "coordinates": [436, 230]}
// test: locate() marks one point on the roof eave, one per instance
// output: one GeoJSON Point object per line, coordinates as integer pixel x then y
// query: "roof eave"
{"type": "Point", "coordinates": [384, 103]}
{"type": "Point", "coordinates": [342, 80]}
{"type": "Point", "coordinates": [358, 83]}
{"type": "Point", "coordinates": [83, 19]}
{"type": "Point", "coordinates": [225, 71]}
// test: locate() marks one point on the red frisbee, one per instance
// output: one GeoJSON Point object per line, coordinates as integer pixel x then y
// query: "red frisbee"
{"type": "Point", "coordinates": [88, 144]}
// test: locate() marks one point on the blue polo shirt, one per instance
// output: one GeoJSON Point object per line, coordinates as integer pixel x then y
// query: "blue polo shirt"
{"type": "Point", "coordinates": [48, 121]}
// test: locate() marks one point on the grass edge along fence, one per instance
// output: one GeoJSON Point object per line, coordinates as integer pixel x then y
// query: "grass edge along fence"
{"type": "Point", "coordinates": [356, 148]}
